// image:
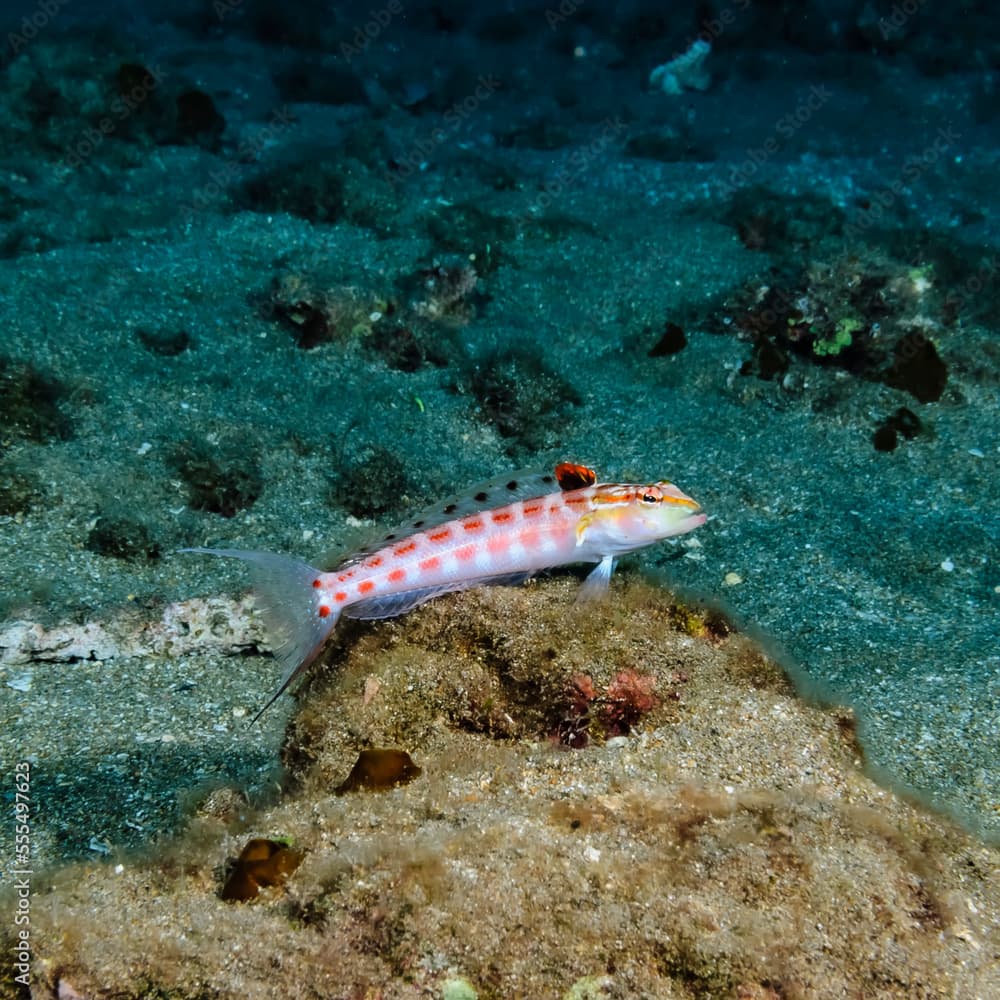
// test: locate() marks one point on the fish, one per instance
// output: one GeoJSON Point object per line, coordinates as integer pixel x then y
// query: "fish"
{"type": "Point", "coordinates": [498, 532]}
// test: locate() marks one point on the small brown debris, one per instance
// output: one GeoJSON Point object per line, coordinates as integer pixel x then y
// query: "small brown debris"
{"type": "Point", "coordinates": [372, 687]}
{"type": "Point", "coordinates": [375, 770]}
{"type": "Point", "coordinates": [261, 863]}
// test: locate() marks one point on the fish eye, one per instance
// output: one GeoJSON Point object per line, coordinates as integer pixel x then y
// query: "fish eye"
{"type": "Point", "coordinates": [650, 498]}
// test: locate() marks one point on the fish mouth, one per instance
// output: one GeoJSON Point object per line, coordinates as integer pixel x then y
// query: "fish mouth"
{"type": "Point", "coordinates": [689, 522]}
{"type": "Point", "coordinates": [688, 512]}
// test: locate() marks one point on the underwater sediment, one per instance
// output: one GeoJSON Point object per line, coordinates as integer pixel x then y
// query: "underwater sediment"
{"type": "Point", "coordinates": [624, 799]}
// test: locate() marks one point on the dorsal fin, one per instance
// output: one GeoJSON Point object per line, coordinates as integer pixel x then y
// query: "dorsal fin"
{"type": "Point", "coordinates": [487, 495]}
{"type": "Point", "coordinates": [574, 477]}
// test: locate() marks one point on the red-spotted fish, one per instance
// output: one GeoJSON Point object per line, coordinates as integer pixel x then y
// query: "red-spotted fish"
{"type": "Point", "coordinates": [502, 531]}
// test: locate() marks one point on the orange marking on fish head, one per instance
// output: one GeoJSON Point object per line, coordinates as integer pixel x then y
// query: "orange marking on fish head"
{"type": "Point", "coordinates": [613, 495]}
{"type": "Point", "coordinates": [671, 495]}
{"type": "Point", "coordinates": [631, 516]}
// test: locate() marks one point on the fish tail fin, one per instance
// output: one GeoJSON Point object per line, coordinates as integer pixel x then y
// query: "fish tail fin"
{"type": "Point", "coordinates": [286, 597]}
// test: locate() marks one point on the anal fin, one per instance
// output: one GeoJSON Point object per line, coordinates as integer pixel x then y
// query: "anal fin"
{"type": "Point", "coordinates": [391, 605]}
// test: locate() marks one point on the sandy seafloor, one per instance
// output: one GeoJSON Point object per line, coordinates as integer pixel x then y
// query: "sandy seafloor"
{"type": "Point", "coordinates": [161, 299]}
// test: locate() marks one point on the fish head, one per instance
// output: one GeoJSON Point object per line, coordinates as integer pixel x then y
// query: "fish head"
{"type": "Point", "coordinates": [628, 517]}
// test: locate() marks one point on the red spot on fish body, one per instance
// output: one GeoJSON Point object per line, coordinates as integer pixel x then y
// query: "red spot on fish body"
{"type": "Point", "coordinates": [324, 610]}
{"type": "Point", "coordinates": [366, 587]}
{"type": "Point", "coordinates": [396, 575]}
{"type": "Point", "coordinates": [465, 553]}
{"type": "Point", "coordinates": [530, 510]}
{"type": "Point", "coordinates": [529, 538]}
{"type": "Point", "coordinates": [405, 549]}
{"type": "Point", "coordinates": [496, 544]}
{"type": "Point", "coordinates": [474, 525]}
{"type": "Point", "coordinates": [317, 583]}
{"type": "Point", "coordinates": [375, 561]}
{"type": "Point", "coordinates": [575, 501]}
{"type": "Point", "coordinates": [430, 564]}
{"type": "Point", "coordinates": [340, 597]}
{"type": "Point", "coordinates": [502, 517]}
{"type": "Point", "coordinates": [440, 536]}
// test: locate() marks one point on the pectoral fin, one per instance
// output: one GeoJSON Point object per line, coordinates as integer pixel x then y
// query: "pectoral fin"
{"type": "Point", "coordinates": [596, 584]}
